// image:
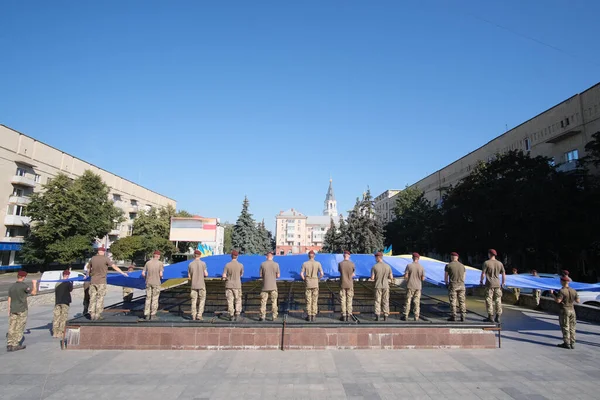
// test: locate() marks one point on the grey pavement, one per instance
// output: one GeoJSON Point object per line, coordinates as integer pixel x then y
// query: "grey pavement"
{"type": "Point", "coordinates": [528, 366]}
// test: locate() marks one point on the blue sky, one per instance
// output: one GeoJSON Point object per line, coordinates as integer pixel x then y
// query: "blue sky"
{"type": "Point", "coordinates": [207, 102]}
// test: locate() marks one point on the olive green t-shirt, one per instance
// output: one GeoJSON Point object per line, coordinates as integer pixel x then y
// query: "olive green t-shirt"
{"type": "Point", "coordinates": [492, 269]}
{"type": "Point", "coordinates": [311, 268]}
{"type": "Point", "coordinates": [153, 269]}
{"type": "Point", "coordinates": [269, 270]}
{"type": "Point", "coordinates": [568, 297]}
{"type": "Point", "coordinates": [98, 269]}
{"type": "Point", "coordinates": [233, 272]}
{"type": "Point", "coordinates": [196, 272]}
{"type": "Point", "coordinates": [415, 278]}
{"type": "Point", "coordinates": [382, 273]}
{"type": "Point", "coordinates": [456, 274]}
{"type": "Point", "coordinates": [18, 292]}
{"type": "Point", "coordinates": [346, 269]}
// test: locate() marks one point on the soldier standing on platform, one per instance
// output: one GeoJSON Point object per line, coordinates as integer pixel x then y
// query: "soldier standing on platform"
{"type": "Point", "coordinates": [17, 311]}
{"type": "Point", "coordinates": [567, 319]}
{"type": "Point", "coordinates": [153, 272]}
{"type": "Point", "coordinates": [516, 291]}
{"type": "Point", "coordinates": [537, 293]}
{"type": "Point", "coordinates": [62, 301]}
{"type": "Point", "coordinates": [492, 269]}
{"type": "Point", "coordinates": [269, 272]}
{"type": "Point", "coordinates": [86, 291]}
{"type": "Point", "coordinates": [98, 268]}
{"type": "Point", "coordinates": [347, 272]}
{"type": "Point", "coordinates": [196, 273]}
{"type": "Point", "coordinates": [232, 274]}
{"type": "Point", "coordinates": [127, 291]}
{"type": "Point", "coordinates": [414, 275]}
{"type": "Point", "coordinates": [311, 273]}
{"type": "Point", "coordinates": [381, 274]}
{"type": "Point", "coordinates": [454, 277]}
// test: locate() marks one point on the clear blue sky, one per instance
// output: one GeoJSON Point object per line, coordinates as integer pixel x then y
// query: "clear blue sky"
{"type": "Point", "coordinates": [206, 102]}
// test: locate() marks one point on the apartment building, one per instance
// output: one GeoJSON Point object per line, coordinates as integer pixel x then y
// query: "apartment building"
{"type": "Point", "coordinates": [297, 233]}
{"type": "Point", "coordinates": [385, 204]}
{"type": "Point", "coordinates": [26, 164]}
{"type": "Point", "coordinates": [559, 133]}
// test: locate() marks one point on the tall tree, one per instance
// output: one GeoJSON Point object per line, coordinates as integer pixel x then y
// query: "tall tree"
{"type": "Point", "coordinates": [245, 237]}
{"type": "Point", "coordinates": [66, 218]}
{"type": "Point", "coordinates": [265, 238]}
{"type": "Point", "coordinates": [364, 231]}
{"type": "Point", "coordinates": [331, 240]}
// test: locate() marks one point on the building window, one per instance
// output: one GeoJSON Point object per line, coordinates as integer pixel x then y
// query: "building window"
{"type": "Point", "coordinates": [20, 172]}
{"type": "Point", "coordinates": [36, 178]}
{"type": "Point", "coordinates": [14, 209]}
{"type": "Point", "coordinates": [18, 192]}
{"type": "Point", "coordinates": [116, 197]}
{"type": "Point", "coordinates": [572, 155]}
{"type": "Point", "coordinates": [551, 162]}
{"type": "Point", "coordinates": [134, 202]}
{"type": "Point", "coordinates": [527, 144]}
{"type": "Point", "coordinates": [132, 216]}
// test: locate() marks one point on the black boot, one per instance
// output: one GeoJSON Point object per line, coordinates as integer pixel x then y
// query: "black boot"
{"type": "Point", "coordinates": [462, 318]}
{"type": "Point", "coordinates": [261, 319]}
{"type": "Point", "coordinates": [564, 346]}
{"type": "Point", "coordinates": [385, 317]}
{"type": "Point", "coordinates": [377, 318]}
{"type": "Point", "coordinates": [573, 346]}
{"type": "Point", "coordinates": [347, 318]}
{"type": "Point", "coordinates": [308, 318]}
{"type": "Point", "coordinates": [488, 319]}
{"type": "Point", "coordinates": [343, 318]}
{"type": "Point", "coordinates": [403, 318]}
{"type": "Point", "coordinates": [452, 318]}
{"type": "Point", "coordinates": [497, 319]}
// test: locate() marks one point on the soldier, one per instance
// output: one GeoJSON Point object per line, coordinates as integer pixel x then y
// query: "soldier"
{"type": "Point", "coordinates": [347, 272]}
{"type": "Point", "coordinates": [567, 319]}
{"type": "Point", "coordinates": [381, 274]}
{"type": "Point", "coordinates": [127, 291]}
{"type": "Point", "coordinates": [269, 272]}
{"type": "Point", "coordinates": [86, 291]}
{"type": "Point", "coordinates": [62, 301]}
{"type": "Point", "coordinates": [537, 293]}
{"type": "Point", "coordinates": [491, 270]}
{"type": "Point", "coordinates": [232, 275]}
{"type": "Point", "coordinates": [153, 272]}
{"type": "Point", "coordinates": [98, 268]}
{"type": "Point", "coordinates": [516, 291]}
{"type": "Point", "coordinates": [196, 273]}
{"type": "Point", "coordinates": [311, 273]}
{"type": "Point", "coordinates": [454, 277]}
{"type": "Point", "coordinates": [17, 311]}
{"type": "Point", "coordinates": [414, 275]}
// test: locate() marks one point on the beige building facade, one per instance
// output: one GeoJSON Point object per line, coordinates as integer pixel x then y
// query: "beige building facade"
{"type": "Point", "coordinates": [26, 164]}
{"type": "Point", "coordinates": [385, 204]}
{"type": "Point", "coordinates": [559, 133]}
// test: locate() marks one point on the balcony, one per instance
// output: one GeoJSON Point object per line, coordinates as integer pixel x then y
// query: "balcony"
{"type": "Point", "coordinates": [114, 232]}
{"type": "Point", "coordinates": [19, 200]}
{"type": "Point", "coordinates": [16, 220]}
{"type": "Point", "coordinates": [567, 167]}
{"type": "Point", "coordinates": [22, 180]}
{"type": "Point", "coordinates": [15, 239]}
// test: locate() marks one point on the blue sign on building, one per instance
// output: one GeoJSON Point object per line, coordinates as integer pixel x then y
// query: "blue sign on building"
{"type": "Point", "coordinates": [10, 246]}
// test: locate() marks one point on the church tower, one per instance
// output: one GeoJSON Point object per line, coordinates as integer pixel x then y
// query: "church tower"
{"type": "Point", "coordinates": [330, 203]}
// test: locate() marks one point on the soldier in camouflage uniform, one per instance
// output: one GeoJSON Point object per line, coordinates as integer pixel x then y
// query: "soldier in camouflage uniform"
{"type": "Point", "coordinates": [381, 274]}
{"type": "Point", "coordinates": [454, 277]}
{"type": "Point", "coordinates": [491, 271]}
{"type": "Point", "coordinates": [98, 268]}
{"type": "Point", "coordinates": [232, 275]}
{"type": "Point", "coordinates": [269, 272]}
{"type": "Point", "coordinates": [566, 297]}
{"type": "Point", "coordinates": [537, 293]}
{"type": "Point", "coordinates": [516, 291]}
{"type": "Point", "coordinates": [127, 291]}
{"type": "Point", "coordinates": [17, 311]}
{"type": "Point", "coordinates": [153, 272]}
{"type": "Point", "coordinates": [414, 275]}
{"type": "Point", "coordinates": [196, 273]}
{"type": "Point", "coordinates": [311, 273]}
{"type": "Point", "coordinates": [62, 301]}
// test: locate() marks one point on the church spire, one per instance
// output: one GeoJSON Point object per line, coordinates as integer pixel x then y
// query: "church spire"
{"type": "Point", "coordinates": [330, 202]}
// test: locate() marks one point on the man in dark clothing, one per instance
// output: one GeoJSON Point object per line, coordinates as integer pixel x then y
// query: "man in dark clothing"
{"type": "Point", "coordinates": [62, 296]}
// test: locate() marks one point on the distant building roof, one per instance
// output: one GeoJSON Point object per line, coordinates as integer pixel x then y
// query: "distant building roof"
{"type": "Point", "coordinates": [323, 220]}
{"type": "Point", "coordinates": [291, 213]}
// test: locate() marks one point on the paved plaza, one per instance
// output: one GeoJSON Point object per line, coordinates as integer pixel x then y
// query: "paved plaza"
{"type": "Point", "coordinates": [528, 366]}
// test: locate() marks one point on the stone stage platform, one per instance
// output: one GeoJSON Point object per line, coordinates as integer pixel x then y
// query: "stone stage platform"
{"type": "Point", "coordinates": [175, 330]}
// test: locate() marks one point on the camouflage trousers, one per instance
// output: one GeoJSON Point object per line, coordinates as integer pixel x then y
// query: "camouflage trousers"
{"type": "Point", "coordinates": [346, 296]}
{"type": "Point", "coordinates": [493, 298]}
{"type": "Point", "coordinates": [382, 301]}
{"type": "Point", "coordinates": [59, 320]}
{"type": "Point", "coordinates": [16, 327]}
{"type": "Point", "coordinates": [413, 296]}
{"type": "Point", "coordinates": [234, 301]}
{"type": "Point", "coordinates": [264, 296]}
{"type": "Point", "coordinates": [198, 299]}
{"type": "Point", "coordinates": [312, 299]}
{"type": "Point", "coordinates": [517, 293]}
{"type": "Point", "coordinates": [567, 321]}
{"type": "Point", "coordinates": [127, 294]}
{"type": "Point", "coordinates": [537, 294]}
{"type": "Point", "coordinates": [455, 293]}
{"type": "Point", "coordinates": [152, 296]}
{"type": "Point", "coordinates": [97, 293]}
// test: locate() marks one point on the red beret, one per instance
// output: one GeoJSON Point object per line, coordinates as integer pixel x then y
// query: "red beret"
{"type": "Point", "coordinates": [346, 252]}
{"type": "Point", "coordinates": [101, 248]}
{"type": "Point", "coordinates": [564, 278]}
{"type": "Point", "coordinates": [234, 252]}
{"type": "Point", "coordinates": [22, 273]}
{"type": "Point", "coordinates": [311, 252]}
{"type": "Point", "coordinates": [197, 252]}
{"type": "Point", "coordinates": [416, 255]}
{"type": "Point", "coordinates": [492, 252]}
{"type": "Point", "coordinates": [533, 271]}
{"type": "Point", "coordinates": [454, 254]}
{"type": "Point", "coordinates": [269, 252]}
{"type": "Point", "coordinates": [565, 272]}
{"type": "Point", "coordinates": [378, 254]}
{"type": "Point", "coordinates": [66, 272]}
{"type": "Point", "coordinates": [514, 270]}
{"type": "Point", "coordinates": [156, 253]}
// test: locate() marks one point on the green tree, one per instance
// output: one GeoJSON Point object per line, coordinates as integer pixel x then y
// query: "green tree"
{"type": "Point", "coordinates": [364, 231]}
{"type": "Point", "coordinates": [128, 248]}
{"type": "Point", "coordinates": [265, 239]}
{"type": "Point", "coordinates": [592, 149]}
{"type": "Point", "coordinates": [331, 240]}
{"type": "Point", "coordinates": [245, 237]}
{"type": "Point", "coordinates": [66, 218]}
